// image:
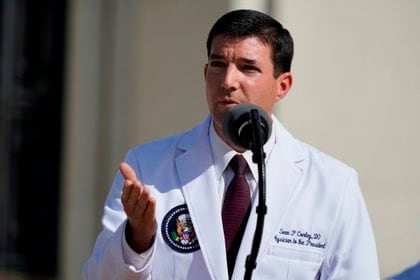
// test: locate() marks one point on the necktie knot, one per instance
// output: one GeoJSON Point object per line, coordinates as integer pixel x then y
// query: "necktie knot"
{"type": "Point", "coordinates": [238, 164]}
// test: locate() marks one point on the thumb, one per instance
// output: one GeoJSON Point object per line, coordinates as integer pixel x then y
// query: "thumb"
{"type": "Point", "coordinates": [128, 172]}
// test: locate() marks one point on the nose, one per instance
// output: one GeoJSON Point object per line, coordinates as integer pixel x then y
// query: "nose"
{"type": "Point", "coordinates": [231, 78]}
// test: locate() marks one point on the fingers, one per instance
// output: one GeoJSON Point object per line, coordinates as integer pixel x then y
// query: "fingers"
{"type": "Point", "coordinates": [130, 180]}
{"type": "Point", "coordinates": [127, 172]}
{"type": "Point", "coordinates": [131, 195]}
{"type": "Point", "coordinates": [145, 206]}
{"type": "Point", "coordinates": [128, 185]}
{"type": "Point", "coordinates": [138, 203]}
{"type": "Point", "coordinates": [139, 207]}
{"type": "Point", "coordinates": [142, 227]}
{"type": "Point", "coordinates": [128, 188]}
{"type": "Point", "coordinates": [149, 213]}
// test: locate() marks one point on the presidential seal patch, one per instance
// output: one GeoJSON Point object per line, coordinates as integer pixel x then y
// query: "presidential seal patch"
{"type": "Point", "coordinates": [178, 230]}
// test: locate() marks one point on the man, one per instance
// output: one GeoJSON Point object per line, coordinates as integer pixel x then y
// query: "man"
{"type": "Point", "coordinates": [166, 218]}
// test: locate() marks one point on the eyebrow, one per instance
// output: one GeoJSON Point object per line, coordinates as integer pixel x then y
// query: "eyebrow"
{"type": "Point", "coordinates": [216, 56]}
{"type": "Point", "coordinates": [249, 61]}
{"type": "Point", "coordinates": [243, 59]}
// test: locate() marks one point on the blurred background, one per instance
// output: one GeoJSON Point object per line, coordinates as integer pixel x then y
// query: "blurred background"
{"type": "Point", "coordinates": [83, 81]}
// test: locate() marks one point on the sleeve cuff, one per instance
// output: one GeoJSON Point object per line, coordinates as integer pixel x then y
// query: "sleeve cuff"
{"type": "Point", "coordinates": [136, 261]}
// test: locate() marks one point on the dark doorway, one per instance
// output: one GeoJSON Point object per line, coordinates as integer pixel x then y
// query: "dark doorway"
{"type": "Point", "coordinates": [32, 35]}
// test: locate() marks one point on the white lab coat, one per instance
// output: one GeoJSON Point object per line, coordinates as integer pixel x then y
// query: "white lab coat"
{"type": "Point", "coordinates": [317, 225]}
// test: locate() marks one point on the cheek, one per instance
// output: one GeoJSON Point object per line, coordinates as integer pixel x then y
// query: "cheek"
{"type": "Point", "coordinates": [212, 86]}
{"type": "Point", "coordinates": [210, 97]}
{"type": "Point", "coordinates": [212, 81]}
{"type": "Point", "coordinates": [265, 97]}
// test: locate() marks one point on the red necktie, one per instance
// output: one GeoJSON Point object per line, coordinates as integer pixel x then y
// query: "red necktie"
{"type": "Point", "coordinates": [236, 209]}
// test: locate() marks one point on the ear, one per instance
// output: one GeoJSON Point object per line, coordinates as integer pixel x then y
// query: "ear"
{"type": "Point", "coordinates": [285, 81]}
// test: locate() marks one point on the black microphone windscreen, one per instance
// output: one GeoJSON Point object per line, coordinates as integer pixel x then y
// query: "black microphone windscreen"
{"type": "Point", "coordinates": [237, 126]}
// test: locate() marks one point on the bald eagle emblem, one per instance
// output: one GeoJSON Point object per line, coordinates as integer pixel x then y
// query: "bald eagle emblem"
{"type": "Point", "coordinates": [178, 230]}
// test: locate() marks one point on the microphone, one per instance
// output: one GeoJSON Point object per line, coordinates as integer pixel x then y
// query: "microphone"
{"type": "Point", "coordinates": [238, 129]}
{"type": "Point", "coordinates": [247, 126]}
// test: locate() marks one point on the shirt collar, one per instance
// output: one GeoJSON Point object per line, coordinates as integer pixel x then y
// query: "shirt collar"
{"type": "Point", "coordinates": [223, 153]}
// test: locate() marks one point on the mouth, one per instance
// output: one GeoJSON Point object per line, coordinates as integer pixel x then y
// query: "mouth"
{"type": "Point", "coordinates": [228, 103]}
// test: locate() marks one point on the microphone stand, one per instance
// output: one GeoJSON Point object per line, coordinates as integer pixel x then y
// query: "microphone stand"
{"type": "Point", "coordinates": [258, 157]}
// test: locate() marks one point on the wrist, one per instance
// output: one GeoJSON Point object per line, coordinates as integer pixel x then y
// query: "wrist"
{"type": "Point", "coordinates": [138, 240]}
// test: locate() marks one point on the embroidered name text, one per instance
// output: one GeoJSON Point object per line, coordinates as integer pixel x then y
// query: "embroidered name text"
{"type": "Point", "coordinates": [298, 237]}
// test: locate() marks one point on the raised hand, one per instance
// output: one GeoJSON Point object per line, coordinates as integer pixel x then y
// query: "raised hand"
{"type": "Point", "coordinates": [139, 207]}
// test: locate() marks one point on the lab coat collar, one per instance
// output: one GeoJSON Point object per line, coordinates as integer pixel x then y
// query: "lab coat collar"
{"type": "Point", "coordinates": [196, 173]}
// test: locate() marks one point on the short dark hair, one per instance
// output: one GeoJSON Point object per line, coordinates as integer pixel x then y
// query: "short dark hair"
{"type": "Point", "coordinates": [247, 23]}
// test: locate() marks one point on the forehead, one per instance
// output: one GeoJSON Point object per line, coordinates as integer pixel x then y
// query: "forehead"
{"type": "Point", "coordinates": [248, 47]}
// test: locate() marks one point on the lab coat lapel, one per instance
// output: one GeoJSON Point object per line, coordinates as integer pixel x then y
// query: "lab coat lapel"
{"type": "Point", "coordinates": [196, 173]}
{"type": "Point", "coordinates": [283, 175]}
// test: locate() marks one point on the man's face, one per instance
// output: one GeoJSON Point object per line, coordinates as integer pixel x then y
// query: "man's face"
{"type": "Point", "coordinates": [240, 70]}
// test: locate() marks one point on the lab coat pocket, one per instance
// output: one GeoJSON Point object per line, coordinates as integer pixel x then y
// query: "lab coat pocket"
{"type": "Point", "coordinates": [290, 263]}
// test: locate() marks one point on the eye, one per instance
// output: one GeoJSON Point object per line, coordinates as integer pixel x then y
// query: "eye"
{"type": "Point", "coordinates": [250, 68]}
{"type": "Point", "coordinates": [217, 63]}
